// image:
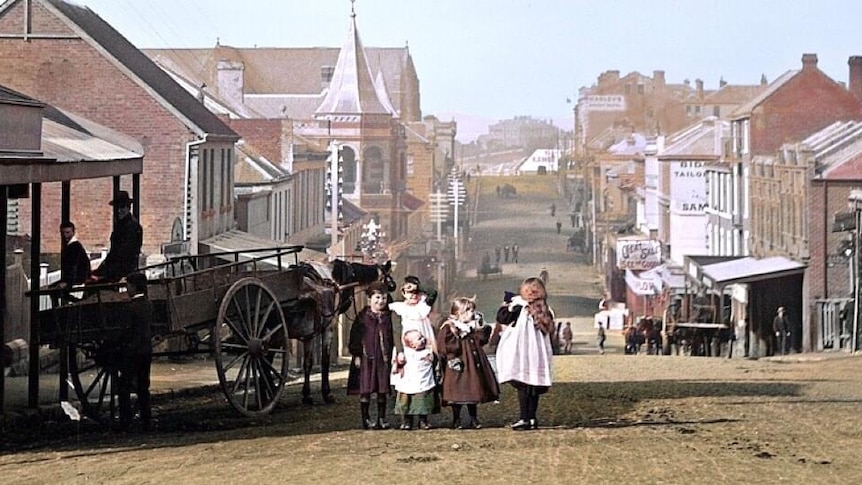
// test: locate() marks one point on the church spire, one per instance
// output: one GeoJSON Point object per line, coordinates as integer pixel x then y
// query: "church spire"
{"type": "Point", "coordinates": [352, 90]}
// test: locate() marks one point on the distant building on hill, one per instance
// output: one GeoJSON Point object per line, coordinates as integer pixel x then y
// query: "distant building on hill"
{"type": "Point", "coordinates": [521, 132]}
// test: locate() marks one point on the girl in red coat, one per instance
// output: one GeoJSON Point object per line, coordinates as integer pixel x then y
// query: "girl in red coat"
{"type": "Point", "coordinates": [468, 378]}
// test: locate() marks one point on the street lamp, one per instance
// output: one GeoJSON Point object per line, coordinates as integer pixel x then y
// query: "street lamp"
{"type": "Point", "coordinates": [855, 203]}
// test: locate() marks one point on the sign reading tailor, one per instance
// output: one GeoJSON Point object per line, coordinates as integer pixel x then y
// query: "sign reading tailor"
{"type": "Point", "coordinates": [638, 254]}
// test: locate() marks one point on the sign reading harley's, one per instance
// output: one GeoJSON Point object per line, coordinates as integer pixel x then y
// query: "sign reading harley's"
{"type": "Point", "coordinates": [638, 254]}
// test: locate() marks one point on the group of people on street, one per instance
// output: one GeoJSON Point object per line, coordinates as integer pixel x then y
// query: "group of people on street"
{"type": "Point", "coordinates": [506, 251]}
{"type": "Point", "coordinates": [430, 368]}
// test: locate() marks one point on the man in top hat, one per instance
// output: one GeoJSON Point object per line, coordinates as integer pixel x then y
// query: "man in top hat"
{"type": "Point", "coordinates": [126, 241]}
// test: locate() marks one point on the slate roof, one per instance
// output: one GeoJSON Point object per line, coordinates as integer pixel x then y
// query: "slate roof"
{"type": "Point", "coordinates": [698, 140]}
{"type": "Point", "coordinates": [141, 66]}
{"type": "Point", "coordinates": [837, 150]}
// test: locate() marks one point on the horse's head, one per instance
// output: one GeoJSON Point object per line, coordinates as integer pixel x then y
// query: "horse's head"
{"type": "Point", "coordinates": [385, 273]}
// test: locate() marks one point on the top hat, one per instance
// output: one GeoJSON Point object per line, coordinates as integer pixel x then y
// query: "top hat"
{"type": "Point", "coordinates": [122, 200]}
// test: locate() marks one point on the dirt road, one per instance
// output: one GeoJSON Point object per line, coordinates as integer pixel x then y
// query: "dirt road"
{"type": "Point", "coordinates": [610, 418]}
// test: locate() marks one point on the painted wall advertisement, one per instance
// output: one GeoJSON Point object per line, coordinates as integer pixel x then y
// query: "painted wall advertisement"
{"type": "Point", "coordinates": [688, 187]}
{"type": "Point", "coordinates": [638, 254]}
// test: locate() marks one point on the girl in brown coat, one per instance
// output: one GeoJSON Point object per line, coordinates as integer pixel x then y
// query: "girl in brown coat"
{"type": "Point", "coordinates": [468, 378]}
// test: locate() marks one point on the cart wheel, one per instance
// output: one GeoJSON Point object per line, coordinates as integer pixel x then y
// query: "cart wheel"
{"type": "Point", "coordinates": [94, 378]}
{"type": "Point", "coordinates": [251, 347]}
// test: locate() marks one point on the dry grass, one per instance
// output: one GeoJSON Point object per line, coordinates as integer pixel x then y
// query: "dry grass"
{"type": "Point", "coordinates": [608, 419]}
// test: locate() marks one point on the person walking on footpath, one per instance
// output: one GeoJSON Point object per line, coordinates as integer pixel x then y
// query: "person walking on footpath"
{"type": "Point", "coordinates": [524, 352]}
{"type": "Point", "coordinates": [601, 337]}
{"type": "Point", "coordinates": [371, 343]}
{"type": "Point", "coordinates": [137, 354]}
{"type": "Point", "coordinates": [416, 385]}
{"type": "Point", "coordinates": [568, 336]}
{"type": "Point", "coordinates": [514, 253]}
{"type": "Point", "coordinates": [553, 209]}
{"type": "Point", "coordinates": [506, 252]}
{"type": "Point", "coordinates": [559, 226]}
{"type": "Point", "coordinates": [468, 379]}
{"type": "Point", "coordinates": [781, 327]}
{"type": "Point", "coordinates": [497, 251]}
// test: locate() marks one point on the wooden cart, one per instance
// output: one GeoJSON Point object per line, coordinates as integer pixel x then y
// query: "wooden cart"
{"type": "Point", "coordinates": [231, 305]}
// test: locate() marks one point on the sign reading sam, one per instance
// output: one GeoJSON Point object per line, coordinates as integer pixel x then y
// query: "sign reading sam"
{"type": "Point", "coordinates": [638, 255]}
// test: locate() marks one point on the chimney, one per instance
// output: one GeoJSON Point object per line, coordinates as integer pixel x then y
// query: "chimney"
{"type": "Point", "coordinates": [722, 83]}
{"type": "Point", "coordinates": [855, 81]}
{"type": "Point", "coordinates": [658, 79]}
{"type": "Point", "coordinates": [699, 84]}
{"type": "Point", "coordinates": [809, 61]}
{"type": "Point", "coordinates": [230, 81]}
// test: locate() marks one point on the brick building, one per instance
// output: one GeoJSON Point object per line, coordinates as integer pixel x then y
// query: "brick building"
{"type": "Point", "coordinates": [761, 201]}
{"type": "Point", "coordinates": [67, 56]}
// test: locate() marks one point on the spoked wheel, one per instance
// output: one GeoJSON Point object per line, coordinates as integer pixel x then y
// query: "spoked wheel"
{"type": "Point", "coordinates": [251, 347]}
{"type": "Point", "coordinates": [93, 375]}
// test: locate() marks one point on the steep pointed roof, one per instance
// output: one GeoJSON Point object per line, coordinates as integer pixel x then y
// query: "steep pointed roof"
{"type": "Point", "coordinates": [383, 94]}
{"type": "Point", "coordinates": [352, 90]}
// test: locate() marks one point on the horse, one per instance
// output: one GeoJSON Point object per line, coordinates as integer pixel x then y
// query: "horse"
{"type": "Point", "coordinates": [327, 291]}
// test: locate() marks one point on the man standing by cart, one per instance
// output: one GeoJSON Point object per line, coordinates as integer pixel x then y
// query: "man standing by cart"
{"type": "Point", "coordinates": [136, 354]}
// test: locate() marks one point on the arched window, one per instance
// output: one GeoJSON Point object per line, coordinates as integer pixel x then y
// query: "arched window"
{"type": "Point", "coordinates": [348, 164]}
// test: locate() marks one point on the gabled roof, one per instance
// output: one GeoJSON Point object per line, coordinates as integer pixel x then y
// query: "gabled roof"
{"type": "Point", "coordinates": [634, 144]}
{"type": "Point", "coordinates": [702, 139]}
{"type": "Point", "coordinates": [253, 168]}
{"type": "Point", "coordinates": [733, 94]}
{"type": "Point", "coordinates": [746, 109]}
{"type": "Point", "coordinates": [107, 38]}
{"type": "Point", "coordinates": [837, 150]}
{"type": "Point", "coordinates": [352, 90]}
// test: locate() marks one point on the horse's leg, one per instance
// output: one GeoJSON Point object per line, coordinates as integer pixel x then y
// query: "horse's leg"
{"type": "Point", "coordinates": [307, 362]}
{"type": "Point", "coordinates": [325, 354]}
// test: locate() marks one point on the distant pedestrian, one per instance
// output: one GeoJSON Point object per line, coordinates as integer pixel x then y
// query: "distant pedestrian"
{"type": "Point", "coordinates": [567, 338]}
{"type": "Point", "coordinates": [559, 226]}
{"type": "Point", "coordinates": [498, 191]}
{"type": "Point", "coordinates": [514, 253]}
{"type": "Point", "coordinates": [781, 327]}
{"type": "Point", "coordinates": [573, 217]}
{"type": "Point", "coordinates": [506, 252]}
{"type": "Point", "coordinates": [544, 275]}
{"type": "Point", "coordinates": [601, 337]}
{"type": "Point", "coordinates": [553, 210]}
{"type": "Point", "coordinates": [497, 251]}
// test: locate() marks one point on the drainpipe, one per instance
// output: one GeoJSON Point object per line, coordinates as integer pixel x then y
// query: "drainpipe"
{"type": "Point", "coordinates": [190, 195]}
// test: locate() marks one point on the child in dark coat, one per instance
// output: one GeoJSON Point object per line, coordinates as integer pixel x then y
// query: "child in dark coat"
{"type": "Point", "coordinates": [468, 378]}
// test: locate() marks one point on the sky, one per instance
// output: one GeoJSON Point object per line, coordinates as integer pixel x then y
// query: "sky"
{"type": "Point", "coordinates": [497, 59]}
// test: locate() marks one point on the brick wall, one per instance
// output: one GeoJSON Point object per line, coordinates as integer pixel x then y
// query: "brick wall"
{"type": "Point", "coordinates": [808, 102]}
{"type": "Point", "coordinates": [71, 74]}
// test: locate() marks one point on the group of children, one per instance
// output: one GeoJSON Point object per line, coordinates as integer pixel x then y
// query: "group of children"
{"type": "Point", "coordinates": [444, 368]}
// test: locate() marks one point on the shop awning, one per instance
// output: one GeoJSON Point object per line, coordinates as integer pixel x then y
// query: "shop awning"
{"type": "Point", "coordinates": [238, 240]}
{"type": "Point", "coordinates": [749, 270]}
